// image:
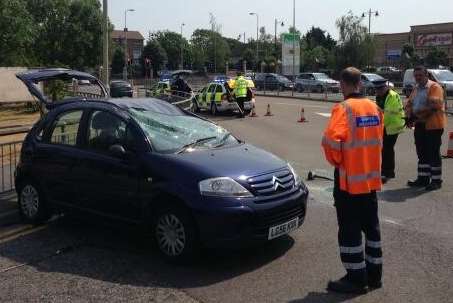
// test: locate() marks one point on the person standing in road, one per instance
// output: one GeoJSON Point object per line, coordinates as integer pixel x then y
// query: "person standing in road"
{"type": "Point", "coordinates": [240, 91]}
{"type": "Point", "coordinates": [352, 143]}
{"type": "Point", "coordinates": [390, 103]}
{"type": "Point", "coordinates": [426, 111]}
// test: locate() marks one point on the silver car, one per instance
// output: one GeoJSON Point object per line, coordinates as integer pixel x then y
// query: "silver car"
{"type": "Point", "coordinates": [316, 82]}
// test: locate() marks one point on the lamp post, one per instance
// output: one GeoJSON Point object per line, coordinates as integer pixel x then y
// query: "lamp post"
{"type": "Point", "coordinates": [105, 38]}
{"type": "Point", "coordinates": [182, 47]}
{"type": "Point", "coordinates": [125, 42]}
{"type": "Point", "coordinates": [370, 14]}
{"type": "Point", "coordinates": [257, 37]}
{"type": "Point", "coordinates": [294, 41]}
{"type": "Point", "coordinates": [276, 24]}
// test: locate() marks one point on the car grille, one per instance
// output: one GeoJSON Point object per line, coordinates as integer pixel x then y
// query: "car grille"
{"type": "Point", "coordinates": [272, 184]}
{"type": "Point", "coordinates": [272, 217]}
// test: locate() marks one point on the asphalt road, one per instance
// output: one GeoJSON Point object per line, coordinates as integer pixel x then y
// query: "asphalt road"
{"type": "Point", "coordinates": [75, 261]}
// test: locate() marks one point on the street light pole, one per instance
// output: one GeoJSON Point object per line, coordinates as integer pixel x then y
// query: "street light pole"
{"type": "Point", "coordinates": [182, 48]}
{"type": "Point", "coordinates": [105, 52]}
{"type": "Point", "coordinates": [276, 24]}
{"type": "Point", "coordinates": [125, 42]}
{"type": "Point", "coordinates": [257, 37]}
{"type": "Point", "coordinates": [370, 14]}
{"type": "Point", "coordinates": [294, 40]}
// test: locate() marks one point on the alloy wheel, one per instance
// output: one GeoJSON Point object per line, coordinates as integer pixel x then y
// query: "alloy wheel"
{"type": "Point", "coordinates": [171, 236]}
{"type": "Point", "coordinates": [29, 201]}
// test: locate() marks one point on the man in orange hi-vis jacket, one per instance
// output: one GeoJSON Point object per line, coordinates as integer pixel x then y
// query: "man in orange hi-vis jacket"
{"type": "Point", "coordinates": [352, 143]}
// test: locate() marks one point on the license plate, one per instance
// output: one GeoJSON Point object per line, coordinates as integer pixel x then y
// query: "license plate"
{"type": "Point", "coordinates": [283, 229]}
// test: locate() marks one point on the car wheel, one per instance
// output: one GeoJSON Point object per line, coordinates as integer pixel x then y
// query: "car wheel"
{"type": "Point", "coordinates": [300, 88]}
{"type": "Point", "coordinates": [175, 234]}
{"type": "Point", "coordinates": [214, 109]}
{"type": "Point", "coordinates": [32, 204]}
{"type": "Point", "coordinates": [196, 109]}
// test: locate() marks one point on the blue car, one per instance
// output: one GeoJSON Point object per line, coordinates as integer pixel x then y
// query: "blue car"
{"type": "Point", "coordinates": [147, 162]}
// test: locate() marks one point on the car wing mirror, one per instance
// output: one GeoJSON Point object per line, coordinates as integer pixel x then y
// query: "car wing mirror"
{"type": "Point", "coordinates": [117, 151]}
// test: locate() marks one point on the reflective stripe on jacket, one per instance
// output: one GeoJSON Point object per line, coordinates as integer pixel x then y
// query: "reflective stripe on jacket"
{"type": "Point", "coordinates": [435, 117]}
{"type": "Point", "coordinates": [352, 142]}
{"type": "Point", "coordinates": [393, 114]}
{"type": "Point", "coordinates": [240, 87]}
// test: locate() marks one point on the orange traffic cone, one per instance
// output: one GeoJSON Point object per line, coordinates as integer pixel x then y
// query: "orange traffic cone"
{"type": "Point", "coordinates": [268, 112]}
{"type": "Point", "coordinates": [302, 116]}
{"type": "Point", "coordinates": [253, 112]}
{"type": "Point", "coordinates": [450, 146]}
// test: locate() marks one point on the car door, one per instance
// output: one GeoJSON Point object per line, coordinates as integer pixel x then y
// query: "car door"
{"type": "Point", "coordinates": [210, 95]}
{"type": "Point", "coordinates": [109, 184]}
{"type": "Point", "coordinates": [56, 156]}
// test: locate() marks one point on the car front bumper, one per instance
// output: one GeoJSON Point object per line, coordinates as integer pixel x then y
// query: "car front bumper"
{"type": "Point", "coordinates": [250, 223]}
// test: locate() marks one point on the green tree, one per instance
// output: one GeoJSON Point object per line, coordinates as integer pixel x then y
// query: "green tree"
{"type": "Point", "coordinates": [16, 34]}
{"type": "Point", "coordinates": [209, 49]}
{"type": "Point", "coordinates": [317, 37]}
{"type": "Point", "coordinates": [435, 58]}
{"type": "Point", "coordinates": [156, 53]}
{"type": "Point", "coordinates": [316, 58]}
{"type": "Point", "coordinates": [118, 60]}
{"type": "Point", "coordinates": [171, 43]}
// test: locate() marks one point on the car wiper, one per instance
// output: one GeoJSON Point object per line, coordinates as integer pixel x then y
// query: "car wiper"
{"type": "Point", "coordinates": [195, 143]}
{"type": "Point", "coordinates": [223, 140]}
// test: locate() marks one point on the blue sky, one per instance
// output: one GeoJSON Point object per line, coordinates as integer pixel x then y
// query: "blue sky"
{"type": "Point", "coordinates": [152, 15]}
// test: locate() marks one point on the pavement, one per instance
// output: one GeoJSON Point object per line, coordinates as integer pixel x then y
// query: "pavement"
{"type": "Point", "coordinates": [82, 261]}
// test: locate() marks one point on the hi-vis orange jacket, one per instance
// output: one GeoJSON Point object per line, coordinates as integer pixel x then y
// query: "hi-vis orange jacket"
{"type": "Point", "coordinates": [352, 143]}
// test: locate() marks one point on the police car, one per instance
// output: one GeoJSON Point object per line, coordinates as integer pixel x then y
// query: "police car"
{"type": "Point", "coordinates": [218, 97]}
{"type": "Point", "coordinates": [162, 87]}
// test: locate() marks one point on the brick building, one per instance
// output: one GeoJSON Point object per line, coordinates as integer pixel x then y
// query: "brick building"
{"type": "Point", "coordinates": [422, 37]}
{"type": "Point", "coordinates": [135, 42]}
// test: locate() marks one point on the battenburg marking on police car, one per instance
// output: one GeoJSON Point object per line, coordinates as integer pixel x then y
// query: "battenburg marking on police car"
{"type": "Point", "coordinates": [366, 121]}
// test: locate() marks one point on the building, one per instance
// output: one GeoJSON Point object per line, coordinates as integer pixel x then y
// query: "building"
{"type": "Point", "coordinates": [422, 37]}
{"type": "Point", "coordinates": [135, 42]}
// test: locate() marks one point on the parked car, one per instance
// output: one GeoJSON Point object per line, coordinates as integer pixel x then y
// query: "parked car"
{"type": "Point", "coordinates": [120, 88]}
{"type": "Point", "coordinates": [316, 82]}
{"type": "Point", "coordinates": [367, 83]}
{"type": "Point", "coordinates": [273, 82]}
{"type": "Point", "coordinates": [148, 162]}
{"type": "Point", "coordinates": [387, 69]}
{"type": "Point", "coordinates": [441, 76]}
{"type": "Point", "coordinates": [217, 98]}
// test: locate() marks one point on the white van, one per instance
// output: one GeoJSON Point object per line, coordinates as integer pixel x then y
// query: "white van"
{"type": "Point", "coordinates": [441, 76]}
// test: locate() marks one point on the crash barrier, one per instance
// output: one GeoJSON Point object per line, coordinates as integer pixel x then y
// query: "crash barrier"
{"type": "Point", "coordinates": [9, 157]}
{"type": "Point", "coordinates": [180, 99]}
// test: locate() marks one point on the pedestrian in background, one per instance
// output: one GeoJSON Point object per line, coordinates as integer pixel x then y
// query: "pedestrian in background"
{"type": "Point", "coordinates": [352, 143]}
{"type": "Point", "coordinates": [426, 112]}
{"type": "Point", "coordinates": [390, 103]}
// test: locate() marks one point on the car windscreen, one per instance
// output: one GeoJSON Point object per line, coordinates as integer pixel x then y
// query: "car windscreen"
{"type": "Point", "coordinates": [170, 133]}
{"type": "Point", "coordinates": [282, 78]}
{"type": "Point", "coordinates": [321, 77]}
{"type": "Point", "coordinates": [443, 75]}
{"type": "Point", "coordinates": [373, 77]}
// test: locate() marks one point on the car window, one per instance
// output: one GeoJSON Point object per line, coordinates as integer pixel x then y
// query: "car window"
{"type": "Point", "coordinates": [66, 127]}
{"type": "Point", "coordinates": [212, 88]}
{"type": "Point", "coordinates": [219, 89]}
{"type": "Point", "coordinates": [106, 129]}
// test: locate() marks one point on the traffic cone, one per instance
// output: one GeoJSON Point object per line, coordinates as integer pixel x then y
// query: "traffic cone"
{"type": "Point", "coordinates": [253, 112]}
{"type": "Point", "coordinates": [268, 112]}
{"type": "Point", "coordinates": [450, 146]}
{"type": "Point", "coordinates": [302, 116]}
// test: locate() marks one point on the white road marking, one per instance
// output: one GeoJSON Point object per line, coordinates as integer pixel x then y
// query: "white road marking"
{"type": "Point", "coordinates": [327, 115]}
{"type": "Point", "coordinates": [301, 105]}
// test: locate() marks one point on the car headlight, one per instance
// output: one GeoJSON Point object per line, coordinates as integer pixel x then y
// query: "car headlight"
{"type": "Point", "coordinates": [223, 187]}
{"type": "Point", "coordinates": [297, 179]}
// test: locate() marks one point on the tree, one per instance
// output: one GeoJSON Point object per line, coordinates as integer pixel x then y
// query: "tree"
{"type": "Point", "coordinates": [16, 34]}
{"type": "Point", "coordinates": [209, 48]}
{"type": "Point", "coordinates": [316, 58]}
{"type": "Point", "coordinates": [294, 30]}
{"type": "Point", "coordinates": [68, 32]}
{"type": "Point", "coordinates": [118, 60]}
{"type": "Point", "coordinates": [156, 53]}
{"type": "Point", "coordinates": [317, 37]}
{"type": "Point", "coordinates": [171, 43]}
{"type": "Point", "coordinates": [435, 58]}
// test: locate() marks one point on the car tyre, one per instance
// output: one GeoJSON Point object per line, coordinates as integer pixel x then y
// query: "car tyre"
{"type": "Point", "coordinates": [33, 206]}
{"type": "Point", "coordinates": [196, 109]}
{"type": "Point", "coordinates": [175, 234]}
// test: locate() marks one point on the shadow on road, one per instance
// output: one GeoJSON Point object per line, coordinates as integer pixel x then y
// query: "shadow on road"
{"type": "Point", "coordinates": [401, 194]}
{"type": "Point", "coordinates": [124, 256]}
{"type": "Point", "coordinates": [323, 297]}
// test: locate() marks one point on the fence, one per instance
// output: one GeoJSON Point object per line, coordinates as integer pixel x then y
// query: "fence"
{"type": "Point", "coordinates": [10, 153]}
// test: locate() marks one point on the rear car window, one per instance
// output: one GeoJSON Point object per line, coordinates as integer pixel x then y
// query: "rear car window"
{"type": "Point", "coordinates": [66, 127]}
{"type": "Point", "coordinates": [219, 89]}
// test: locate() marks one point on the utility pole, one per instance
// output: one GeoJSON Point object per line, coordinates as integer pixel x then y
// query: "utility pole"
{"type": "Point", "coordinates": [370, 14]}
{"type": "Point", "coordinates": [105, 38]}
{"type": "Point", "coordinates": [276, 23]}
{"type": "Point", "coordinates": [182, 47]}
{"type": "Point", "coordinates": [125, 42]}
{"type": "Point", "coordinates": [257, 37]}
{"type": "Point", "coordinates": [294, 40]}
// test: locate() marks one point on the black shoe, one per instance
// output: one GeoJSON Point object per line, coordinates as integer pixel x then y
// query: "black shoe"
{"type": "Point", "coordinates": [433, 186]}
{"type": "Point", "coordinates": [418, 183]}
{"type": "Point", "coordinates": [344, 285]}
{"type": "Point", "coordinates": [374, 284]}
{"type": "Point", "coordinates": [384, 179]}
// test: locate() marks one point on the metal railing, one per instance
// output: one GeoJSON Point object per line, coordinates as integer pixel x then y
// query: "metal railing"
{"type": "Point", "coordinates": [9, 157]}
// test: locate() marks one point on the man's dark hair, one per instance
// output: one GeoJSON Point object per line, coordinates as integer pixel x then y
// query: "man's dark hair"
{"type": "Point", "coordinates": [421, 68]}
{"type": "Point", "coordinates": [351, 76]}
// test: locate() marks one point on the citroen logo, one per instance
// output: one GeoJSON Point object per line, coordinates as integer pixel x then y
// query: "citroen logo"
{"type": "Point", "coordinates": [277, 183]}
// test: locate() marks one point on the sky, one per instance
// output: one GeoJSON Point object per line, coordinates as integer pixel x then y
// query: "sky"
{"type": "Point", "coordinates": [233, 15]}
